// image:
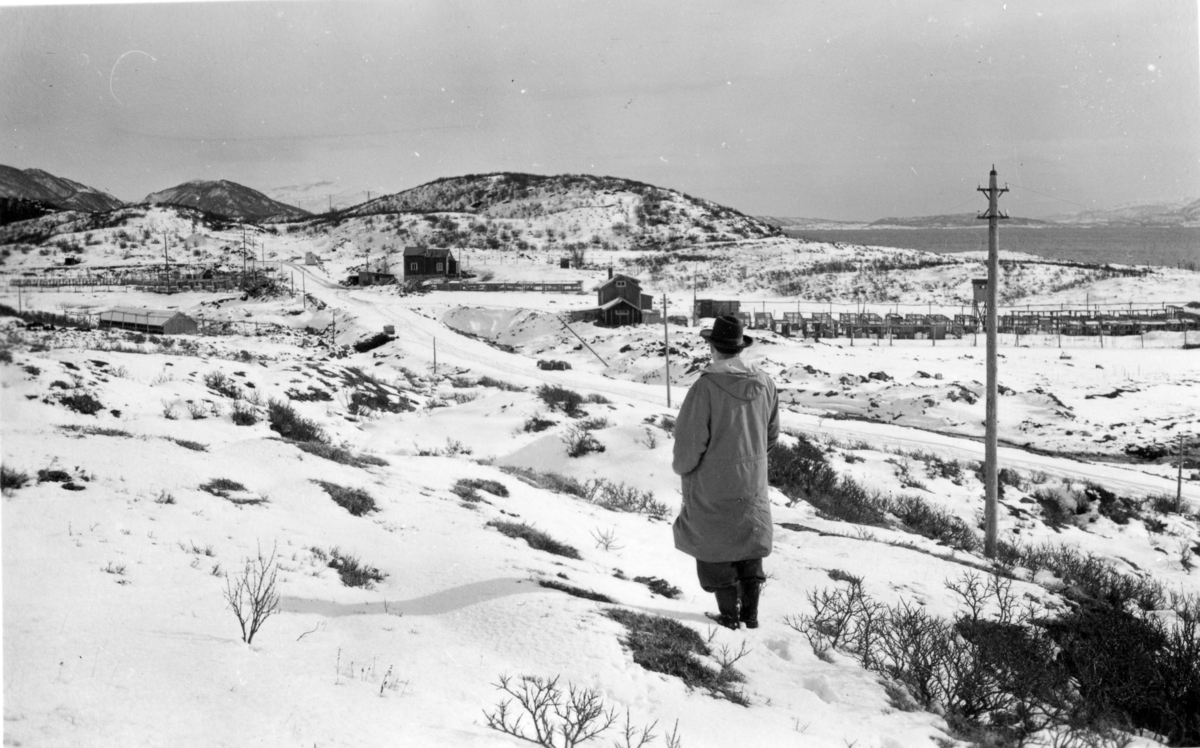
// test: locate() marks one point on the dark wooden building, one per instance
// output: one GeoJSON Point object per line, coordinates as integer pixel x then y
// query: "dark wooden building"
{"type": "Point", "coordinates": [426, 262]}
{"type": "Point", "coordinates": [621, 301]}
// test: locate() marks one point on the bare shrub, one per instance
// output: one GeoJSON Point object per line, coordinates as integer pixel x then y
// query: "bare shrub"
{"type": "Point", "coordinates": [252, 595]}
{"type": "Point", "coordinates": [557, 720]}
{"type": "Point", "coordinates": [580, 441]}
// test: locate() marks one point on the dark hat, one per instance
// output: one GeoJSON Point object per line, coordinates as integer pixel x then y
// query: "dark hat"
{"type": "Point", "coordinates": [726, 334]}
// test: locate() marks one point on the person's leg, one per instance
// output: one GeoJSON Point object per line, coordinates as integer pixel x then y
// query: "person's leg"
{"type": "Point", "coordinates": [750, 580]}
{"type": "Point", "coordinates": [721, 579]}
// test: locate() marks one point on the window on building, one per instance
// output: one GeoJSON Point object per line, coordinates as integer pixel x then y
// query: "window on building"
{"type": "Point", "coordinates": [620, 284]}
{"type": "Point", "coordinates": [412, 267]}
{"type": "Point", "coordinates": [439, 267]}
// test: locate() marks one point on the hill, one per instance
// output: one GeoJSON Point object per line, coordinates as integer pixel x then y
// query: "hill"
{"type": "Point", "coordinates": [41, 186]}
{"type": "Point", "coordinates": [224, 198]}
{"type": "Point", "coordinates": [595, 210]}
{"type": "Point", "coordinates": [1176, 213]}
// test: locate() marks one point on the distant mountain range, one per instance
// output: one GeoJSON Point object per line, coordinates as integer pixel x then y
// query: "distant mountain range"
{"type": "Point", "coordinates": [35, 185]}
{"type": "Point", "coordinates": [30, 193]}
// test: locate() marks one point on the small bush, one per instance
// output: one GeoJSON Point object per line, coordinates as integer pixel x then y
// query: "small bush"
{"type": "Point", "coordinates": [11, 479]}
{"type": "Point", "coordinates": [354, 500]}
{"type": "Point", "coordinates": [598, 399]}
{"type": "Point", "coordinates": [222, 487]}
{"type": "Point", "coordinates": [575, 591]}
{"type": "Point", "coordinates": [187, 444]}
{"type": "Point", "coordinates": [801, 472]}
{"type": "Point", "coordinates": [339, 454]}
{"type": "Point", "coordinates": [252, 596]}
{"type": "Point", "coordinates": [578, 716]}
{"type": "Point", "coordinates": [48, 475]}
{"type": "Point", "coordinates": [1119, 509]}
{"type": "Point", "coordinates": [660, 587]}
{"type": "Point", "coordinates": [500, 385]}
{"type": "Point", "coordinates": [664, 645]}
{"type": "Point", "coordinates": [562, 399]}
{"type": "Point", "coordinates": [221, 384]}
{"type": "Point", "coordinates": [581, 442]}
{"type": "Point", "coordinates": [496, 488]}
{"type": "Point", "coordinates": [287, 423]}
{"type": "Point", "coordinates": [353, 573]}
{"type": "Point", "coordinates": [918, 516]}
{"type": "Point", "coordinates": [535, 424]}
{"type": "Point", "coordinates": [594, 424]}
{"type": "Point", "coordinates": [1165, 503]}
{"type": "Point", "coordinates": [536, 539]}
{"type": "Point", "coordinates": [1054, 514]}
{"type": "Point", "coordinates": [243, 414]}
{"type": "Point", "coordinates": [555, 482]}
{"type": "Point", "coordinates": [619, 497]}
{"type": "Point", "coordinates": [82, 402]}
{"type": "Point", "coordinates": [96, 431]}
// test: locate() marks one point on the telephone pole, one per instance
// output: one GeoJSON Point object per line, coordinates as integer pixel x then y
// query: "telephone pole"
{"type": "Point", "coordinates": [990, 454]}
{"type": "Point", "coordinates": [667, 350]}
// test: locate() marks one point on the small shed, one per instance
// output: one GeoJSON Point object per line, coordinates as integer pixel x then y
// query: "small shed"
{"type": "Point", "coordinates": [155, 321]}
{"type": "Point", "coordinates": [716, 308]}
{"type": "Point", "coordinates": [310, 258]}
{"type": "Point", "coordinates": [423, 262]}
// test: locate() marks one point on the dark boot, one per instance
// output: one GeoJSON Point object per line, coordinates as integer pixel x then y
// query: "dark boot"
{"type": "Point", "coordinates": [749, 613]}
{"type": "Point", "coordinates": [727, 604]}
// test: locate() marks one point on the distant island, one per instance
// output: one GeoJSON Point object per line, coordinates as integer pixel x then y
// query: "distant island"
{"type": "Point", "coordinates": [1184, 213]}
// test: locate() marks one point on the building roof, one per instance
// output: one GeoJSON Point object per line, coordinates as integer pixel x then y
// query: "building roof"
{"type": "Point", "coordinates": [617, 277]}
{"type": "Point", "coordinates": [425, 252]}
{"type": "Point", "coordinates": [140, 316]}
{"type": "Point", "coordinates": [618, 300]}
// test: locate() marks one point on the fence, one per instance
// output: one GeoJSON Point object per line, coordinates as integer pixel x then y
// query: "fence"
{"type": "Point", "coordinates": [572, 287]}
{"type": "Point", "coordinates": [140, 282]}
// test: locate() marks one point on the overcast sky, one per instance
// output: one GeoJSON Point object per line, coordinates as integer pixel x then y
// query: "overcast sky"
{"type": "Point", "coordinates": [847, 109]}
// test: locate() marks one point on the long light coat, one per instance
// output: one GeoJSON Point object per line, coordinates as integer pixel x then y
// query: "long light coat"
{"type": "Point", "coordinates": [727, 424]}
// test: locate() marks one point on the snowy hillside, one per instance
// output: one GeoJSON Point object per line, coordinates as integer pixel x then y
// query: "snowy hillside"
{"type": "Point", "coordinates": [42, 186]}
{"type": "Point", "coordinates": [598, 211]}
{"type": "Point", "coordinates": [432, 539]}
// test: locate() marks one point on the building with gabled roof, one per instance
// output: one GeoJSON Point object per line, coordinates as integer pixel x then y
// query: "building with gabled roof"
{"type": "Point", "coordinates": [620, 301]}
{"type": "Point", "coordinates": [427, 262]}
{"type": "Point", "coordinates": [155, 321]}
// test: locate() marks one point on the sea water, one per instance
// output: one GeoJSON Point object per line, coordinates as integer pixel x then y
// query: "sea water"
{"type": "Point", "coordinates": [1170, 246]}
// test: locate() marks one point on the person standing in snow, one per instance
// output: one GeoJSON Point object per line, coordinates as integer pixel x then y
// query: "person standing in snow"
{"type": "Point", "coordinates": [727, 424]}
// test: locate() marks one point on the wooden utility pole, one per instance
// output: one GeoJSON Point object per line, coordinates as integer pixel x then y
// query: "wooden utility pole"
{"type": "Point", "coordinates": [1179, 476]}
{"type": "Point", "coordinates": [243, 257]}
{"type": "Point", "coordinates": [667, 350]}
{"type": "Point", "coordinates": [990, 454]}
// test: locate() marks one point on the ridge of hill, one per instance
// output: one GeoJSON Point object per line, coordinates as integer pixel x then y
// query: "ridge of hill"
{"type": "Point", "coordinates": [41, 186]}
{"type": "Point", "coordinates": [1185, 212]}
{"type": "Point", "coordinates": [225, 198]}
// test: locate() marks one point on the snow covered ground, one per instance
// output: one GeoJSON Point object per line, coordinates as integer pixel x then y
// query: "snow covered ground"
{"type": "Point", "coordinates": [116, 626]}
